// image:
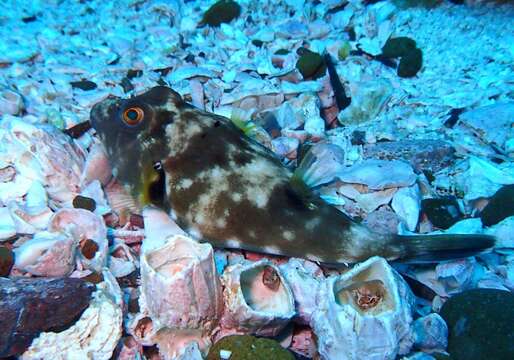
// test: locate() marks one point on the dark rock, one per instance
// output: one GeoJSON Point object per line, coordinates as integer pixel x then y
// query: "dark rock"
{"type": "Point", "coordinates": [249, 348]}
{"type": "Point", "coordinates": [126, 85]}
{"type": "Point", "coordinates": [311, 65]}
{"type": "Point", "coordinates": [257, 42]}
{"type": "Point", "coordinates": [454, 117]}
{"type": "Point", "coordinates": [358, 137]}
{"type": "Point", "coordinates": [29, 306]}
{"type": "Point", "coordinates": [131, 74]}
{"type": "Point", "coordinates": [85, 85]}
{"type": "Point", "coordinates": [480, 325]}
{"type": "Point", "coordinates": [88, 248]}
{"type": "Point", "coordinates": [342, 101]}
{"type": "Point", "coordinates": [78, 130]}
{"type": "Point", "coordinates": [500, 206]}
{"type": "Point", "coordinates": [398, 47]}
{"type": "Point", "coordinates": [223, 11]}
{"type": "Point", "coordinates": [431, 155]}
{"type": "Point", "coordinates": [410, 64]}
{"type": "Point", "coordinates": [442, 212]}
{"type": "Point", "coordinates": [281, 52]}
{"type": "Point", "coordinates": [83, 202]}
{"type": "Point", "coordinates": [6, 261]}
{"type": "Point", "coordinates": [29, 19]}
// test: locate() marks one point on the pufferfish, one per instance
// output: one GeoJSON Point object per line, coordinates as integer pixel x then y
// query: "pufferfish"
{"type": "Point", "coordinates": [223, 187]}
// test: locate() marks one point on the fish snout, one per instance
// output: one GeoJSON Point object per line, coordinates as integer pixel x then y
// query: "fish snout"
{"type": "Point", "coordinates": [103, 112]}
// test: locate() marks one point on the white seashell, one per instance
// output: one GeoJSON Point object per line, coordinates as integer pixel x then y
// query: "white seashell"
{"type": "Point", "coordinates": [7, 225]}
{"type": "Point", "coordinates": [483, 178]}
{"type": "Point", "coordinates": [379, 174]}
{"type": "Point", "coordinates": [503, 232]}
{"type": "Point", "coordinates": [96, 166]}
{"type": "Point", "coordinates": [364, 313]}
{"type": "Point", "coordinates": [82, 225]}
{"type": "Point", "coordinates": [159, 227]}
{"type": "Point", "coordinates": [47, 254]}
{"type": "Point", "coordinates": [36, 197]}
{"type": "Point", "coordinates": [181, 291]}
{"type": "Point", "coordinates": [496, 132]}
{"type": "Point", "coordinates": [457, 275]}
{"type": "Point", "coordinates": [122, 261]}
{"type": "Point", "coordinates": [258, 299]}
{"type": "Point", "coordinates": [11, 102]}
{"type": "Point", "coordinates": [406, 204]}
{"type": "Point", "coordinates": [304, 278]}
{"type": "Point", "coordinates": [368, 100]}
{"type": "Point", "coordinates": [94, 191]}
{"type": "Point", "coordinates": [430, 333]}
{"type": "Point", "coordinates": [94, 336]}
{"type": "Point", "coordinates": [28, 220]}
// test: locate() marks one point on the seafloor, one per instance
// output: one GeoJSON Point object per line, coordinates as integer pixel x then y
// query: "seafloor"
{"type": "Point", "coordinates": [399, 113]}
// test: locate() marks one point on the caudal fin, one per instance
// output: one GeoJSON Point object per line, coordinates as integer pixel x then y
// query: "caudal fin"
{"type": "Point", "coordinates": [429, 248]}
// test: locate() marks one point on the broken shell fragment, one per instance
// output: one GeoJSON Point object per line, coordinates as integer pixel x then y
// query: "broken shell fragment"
{"type": "Point", "coordinates": [258, 299]}
{"type": "Point", "coordinates": [363, 314]}
{"type": "Point", "coordinates": [83, 225]}
{"type": "Point", "coordinates": [47, 254]}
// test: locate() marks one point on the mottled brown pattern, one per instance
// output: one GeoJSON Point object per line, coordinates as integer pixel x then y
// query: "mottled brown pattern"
{"type": "Point", "coordinates": [227, 189]}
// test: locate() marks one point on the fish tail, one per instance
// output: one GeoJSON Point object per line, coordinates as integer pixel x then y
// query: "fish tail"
{"type": "Point", "coordinates": [429, 248]}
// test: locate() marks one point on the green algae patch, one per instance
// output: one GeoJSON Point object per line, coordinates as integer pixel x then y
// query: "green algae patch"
{"type": "Point", "coordinates": [411, 58]}
{"type": "Point", "coordinates": [398, 47]}
{"type": "Point", "coordinates": [223, 11]}
{"type": "Point", "coordinates": [246, 347]}
{"type": "Point", "coordinates": [410, 64]}
{"type": "Point", "coordinates": [311, 64]}
{"type": "Point", "coordinates": [480, 324]}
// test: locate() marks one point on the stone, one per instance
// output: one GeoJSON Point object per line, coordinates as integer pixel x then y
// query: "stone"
{"type": "Point", "coordinates": [30, 306]}
{"type": "Point", "coordinates": [442, 212]}
{"type": "Point", "coordinates": [410, 64]}
{"type": "Point", "coordinates": [480, 324]}
{"type": "Point", "coordinates": [311, 65]}
{"type": "Point", "coordinates": [500, 206]}
{"type": "Point", "coordinates": [85, 85]}
{"type": "Point", "coordinates": [223, 11]}
{"type": "Point", "coordinates": [248, 347]}
{"type": "Point", "coordinates": [398, 47]}
{"type": "Point", "coordinates": [423, 155]}
{"type": "Point", "coordinates": [83, 202]}
{"type": "Point", "coordinates": [6, 261]}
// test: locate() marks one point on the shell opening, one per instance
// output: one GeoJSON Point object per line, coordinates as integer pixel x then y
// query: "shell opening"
{"type": "Point", "coordinates": [264, 290]}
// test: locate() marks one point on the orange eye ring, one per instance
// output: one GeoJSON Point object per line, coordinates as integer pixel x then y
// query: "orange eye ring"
{"type": "Point", "coordinates": [132, 116]}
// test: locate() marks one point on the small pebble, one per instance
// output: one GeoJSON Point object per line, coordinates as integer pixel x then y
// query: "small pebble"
{"type": "Point", "coordinates": [85, 85]}
{"type": "Point", "coordinates": [442, 212]}
{"type": "Point", "coordinates": [499, 207]}
{"type": "Point", "coordinates": [223, 11]}
{"type": "Point", "coordinates": [83, 202]}
{"type": "Point", "coordinates": [89, 248]}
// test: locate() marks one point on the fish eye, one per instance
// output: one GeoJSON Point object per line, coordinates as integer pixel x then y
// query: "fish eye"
{"type": "Point", "coordinates": [132, 116]}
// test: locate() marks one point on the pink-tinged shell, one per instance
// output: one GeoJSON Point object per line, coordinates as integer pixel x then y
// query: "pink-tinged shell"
{"type": "Point", "coordinates": [130, 349]}
{"type": "Point", "coordinates": [364, 313]}
{"type": "Point", "coordinates": [58, 159]}
{"type": "Point", "coordinates": [97, 166]}
{"type": "Point", "coordinates": [120, 201]}
{"type": "Point", "coordinates": [304, 278]}
{"type": "Point", "coordinates": [47, 254]}
{"type": "Point", "coordinates": [258, 300]}
{"type": "Point", "coordinates": [181, 288]}
{"type": "Point", "coordinates": [83, 225]}
{"type": "Point", "coordinates": [304, 342]}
